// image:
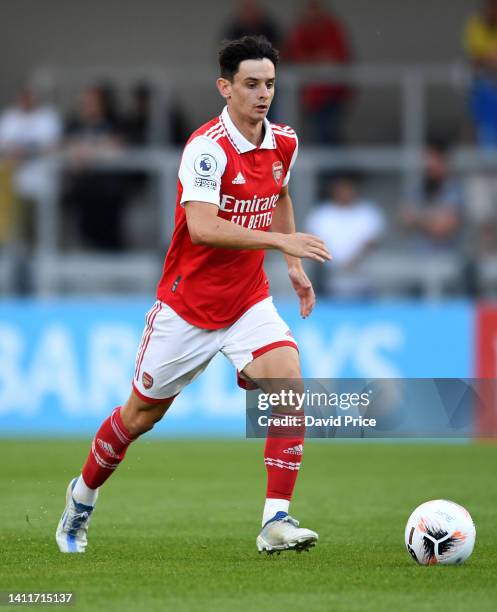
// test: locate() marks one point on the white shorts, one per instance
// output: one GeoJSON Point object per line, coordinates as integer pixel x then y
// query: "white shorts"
{"type": "Point", "coordinates": [173, 352]}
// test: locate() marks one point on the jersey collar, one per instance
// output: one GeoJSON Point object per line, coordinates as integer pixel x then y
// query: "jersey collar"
{"type": "Point", "coordinates": [238, 140]}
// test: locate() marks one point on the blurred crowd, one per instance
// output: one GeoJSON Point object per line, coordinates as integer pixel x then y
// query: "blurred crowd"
{"type": "Point", "coordinates": [317, 37]}
{"type": "Point", "coordinates": [96, 130]}
{"type": "Point", "coordinates": [435, 220]}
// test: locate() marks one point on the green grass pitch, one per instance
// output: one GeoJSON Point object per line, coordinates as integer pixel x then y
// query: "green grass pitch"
{"type": "Point", "coordinates": [175, 527]}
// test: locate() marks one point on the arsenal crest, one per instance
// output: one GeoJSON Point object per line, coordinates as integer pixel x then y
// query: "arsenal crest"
{"type": "Point", "coordinates": [277, 172]}
{"type": "Point", "coordinates": [147, 380]}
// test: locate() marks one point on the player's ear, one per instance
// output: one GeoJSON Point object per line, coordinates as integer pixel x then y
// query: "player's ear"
{"type": "Point", "coordinates": [224, 87]}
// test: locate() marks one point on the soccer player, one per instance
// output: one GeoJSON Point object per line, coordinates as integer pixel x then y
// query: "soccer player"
{"type": "Point", "coordinates": [214, 296]}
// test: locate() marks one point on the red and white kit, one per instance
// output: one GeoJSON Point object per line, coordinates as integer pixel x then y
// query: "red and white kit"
{"type": "Point", "coordinates": [212, 299]}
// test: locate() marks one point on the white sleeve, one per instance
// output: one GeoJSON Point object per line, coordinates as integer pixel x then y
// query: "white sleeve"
{"type": "Point", "coordinates": [201, 169]}
{"type": "Point", "coordinates": [50, 128]}
{"type": "Point", "coordinates": [312, 222]}
{"type": "Point", "coordinates": [292, 162]}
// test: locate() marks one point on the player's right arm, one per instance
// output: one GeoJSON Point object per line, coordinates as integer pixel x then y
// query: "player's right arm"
{"type": "Point", "coordinates": [201, 170]}
{"type": "Point", "coordinates": [208, 229]}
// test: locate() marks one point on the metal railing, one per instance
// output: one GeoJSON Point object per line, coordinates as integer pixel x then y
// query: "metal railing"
{"type": "Point", "coordinates": [54, 268]}
{"type": "Point", "coordinates": [167, 83]}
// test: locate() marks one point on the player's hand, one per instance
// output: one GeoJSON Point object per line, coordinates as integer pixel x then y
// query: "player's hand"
{"type": "Point", "coordinates": [303, 288]}
{"type": "Point", "coordinates": [305, 246]}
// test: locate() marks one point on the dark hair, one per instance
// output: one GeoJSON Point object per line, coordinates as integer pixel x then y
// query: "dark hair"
{"type": "Point", "coordinates": [232, 52]}
{"type": "Point", "coordinates": [438, 145]}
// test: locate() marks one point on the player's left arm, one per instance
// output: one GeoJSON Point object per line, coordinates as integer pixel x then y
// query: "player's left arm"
{"type": "Point", "coordinates": [284, 223]}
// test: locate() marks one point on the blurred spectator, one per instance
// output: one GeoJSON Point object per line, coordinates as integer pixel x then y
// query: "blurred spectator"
{"type": "Point", "coordinates": [137, 121]}
{"type": "Point", "coordinates": [90, 132]}
{"type": "Point", "coordinates": [179, 128]}
{"type": "Point", "coordinates": [110, 105]}
{"type": "Point", "coordinates": [480, 39]}
{"type": "Point", "coordinates": [28, 131]}
{"type": "Point", "coordinates": [139, 127]}
{"type": "Point", "coordinates": [97, 197]}
{"type": "Point", "coordinates": [434, 215]}
{"type": "Point", "coordinates": [352, 227]}
{"type": "Point", "coordinates": [318, 38]}
{"type": "Point", "coordinates": [251, 20]}
{"type": "Point", "coordinates": [7, 213]}
{"type": "Point", "coordinates": [481, 192]}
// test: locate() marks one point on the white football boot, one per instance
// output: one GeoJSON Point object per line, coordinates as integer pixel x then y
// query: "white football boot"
{"type": "Point", "coordinates": [71, 534]}
{"type": "Point", "coordinates": [282, 532]}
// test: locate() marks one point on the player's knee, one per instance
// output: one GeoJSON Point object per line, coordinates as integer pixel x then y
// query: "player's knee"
{"type": "Point", "coordinates": [286, 374]}
{"type": "Point", "coordinates": [290, 371]}
{"type": "Point", "coordinates": [289, 367]}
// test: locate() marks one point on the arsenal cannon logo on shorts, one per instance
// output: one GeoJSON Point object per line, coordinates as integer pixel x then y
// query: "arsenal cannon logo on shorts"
{"type": "Point", "coordinates": [147, 380]}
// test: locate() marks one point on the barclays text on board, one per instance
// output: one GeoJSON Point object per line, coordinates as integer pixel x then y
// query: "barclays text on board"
{"type": "Point", "coordinates": [65, 364]}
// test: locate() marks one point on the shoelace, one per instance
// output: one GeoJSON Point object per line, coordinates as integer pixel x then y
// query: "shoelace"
{"type": "Point", "coordinates": [291, 520]}
{"type": "Point", "coordinates": [76, 519]}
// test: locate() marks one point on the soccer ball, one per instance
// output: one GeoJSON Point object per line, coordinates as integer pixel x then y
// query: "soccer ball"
{"type": "Point", "coordinates": [440, 531]}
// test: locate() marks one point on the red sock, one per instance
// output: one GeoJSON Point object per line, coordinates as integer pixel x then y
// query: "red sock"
{"type": "Point", "coordinates": [282, 457]}
{"type": "Point", "coordinates": [107, 450]}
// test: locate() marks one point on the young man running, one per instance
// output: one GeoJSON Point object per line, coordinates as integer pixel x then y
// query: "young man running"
{"type": "Point", "coordinates": [214, 295]}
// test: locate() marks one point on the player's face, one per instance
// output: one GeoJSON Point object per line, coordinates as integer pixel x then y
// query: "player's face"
{"type": "Point", "coordinates": [252, 90]}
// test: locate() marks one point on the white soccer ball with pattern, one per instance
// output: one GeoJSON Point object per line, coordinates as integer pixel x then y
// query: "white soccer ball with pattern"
{"type": "Point", "coordinates": [440, 531]}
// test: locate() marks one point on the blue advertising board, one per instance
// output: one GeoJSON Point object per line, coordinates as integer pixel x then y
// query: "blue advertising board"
{"type": "Point", "coordinates": [65, 364]}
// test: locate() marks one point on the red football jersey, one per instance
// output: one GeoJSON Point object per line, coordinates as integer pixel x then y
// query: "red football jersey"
{"type": "Point", "coordinates": [212, 287]}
